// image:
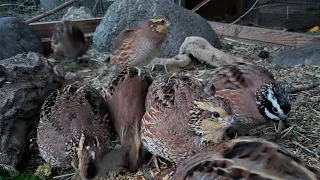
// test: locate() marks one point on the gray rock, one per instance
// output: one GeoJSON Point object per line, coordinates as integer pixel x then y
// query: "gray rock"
{"type": "Point", "coordinates": [17, 37]}
{"type": "Point", "coordinates": [25, 82]}
{"type": "Point", "coordinates": [308, 55]}
{"type": "Point", "coordinates": [126, 13]}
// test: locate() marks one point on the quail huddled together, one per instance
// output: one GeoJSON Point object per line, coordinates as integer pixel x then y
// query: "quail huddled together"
{"type": "Point", "coordinates": [182, 119]}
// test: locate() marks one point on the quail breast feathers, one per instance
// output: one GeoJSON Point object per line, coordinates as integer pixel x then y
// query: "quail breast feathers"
{"type": "Point", "coordinates": [137, 46]}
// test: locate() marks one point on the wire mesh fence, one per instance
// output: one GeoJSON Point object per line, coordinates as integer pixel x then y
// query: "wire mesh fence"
{"type": "Point", "coordinates": [26, 9]}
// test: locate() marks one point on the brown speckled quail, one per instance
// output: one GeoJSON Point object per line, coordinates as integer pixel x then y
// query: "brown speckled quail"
{"type": "Point", "coordinates": [181, 118]}
{"type": "Point", "coordinates": [245, 158]}
{"type": "Point", "coordinates": [128, 90]}
{"type": "Point", "coordinates": [253, 93]}
{"type": "Point", "coordinates": [68, 41]}
{"type": "Point", "coordinates": [137, 46]}
{"type": "Point", "coordinates": [73, 129]}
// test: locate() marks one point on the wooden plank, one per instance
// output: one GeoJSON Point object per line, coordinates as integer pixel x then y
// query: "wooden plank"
{"type": "Point", "coordinates": [44, 29]}
{"type": "Point", "coordinates": [263, 35]}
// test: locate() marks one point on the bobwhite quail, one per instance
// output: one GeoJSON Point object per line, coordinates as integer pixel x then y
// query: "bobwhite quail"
{"type": "Point", "coordinates": [73, 129]}
{"type": "Point", "coordinates": [254, 94]}
{"type": "Point", "coordinates": [181, 118]}
{"type": "Point", "coordinates": [128, 90]}
{"type": "Point", "coordinates": [68, 41]}
{"type": "Point", "coordinates": [137, 46]}
{"type": "Point", "coordinates": [245, 158]}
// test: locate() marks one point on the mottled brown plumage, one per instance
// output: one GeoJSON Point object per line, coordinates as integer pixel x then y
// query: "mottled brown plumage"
{"type": "Point", "coordinates": [137, 46]}
{"type": "Point", "coordinates": [73, 129]}
{"type": "Point", "coordinates": [245, 158]}
{"type": "Point", "coordinates": [68, 41]}
{"type": "Point", "coordinates": [181, 118]}
{"type": "Point", "coordinates": [128, 90]}
{"type": "Point", "coordinates": [254, 94]}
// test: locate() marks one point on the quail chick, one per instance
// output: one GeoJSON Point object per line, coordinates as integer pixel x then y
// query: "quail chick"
{"type": "Point", "coordinates": [68, 41]}
{"type": "Point", "coordinates": [181, 118]}
{"type": "Point", "coordinates": [128, 90]}
{"type": "Point", "coordinates": [73, 129]}
{"type": "Point", "coordinates": [137, 46]}
{"type": "Point", "coordinates": [245, 158]}
{"type": "Point", "coordinates": [253, 93]}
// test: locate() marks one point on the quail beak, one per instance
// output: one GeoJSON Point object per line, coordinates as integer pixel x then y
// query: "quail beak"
{"type": "Point", "coordinates": [229, 121]}
{"type": "Point", "coordinates": [283, 118]}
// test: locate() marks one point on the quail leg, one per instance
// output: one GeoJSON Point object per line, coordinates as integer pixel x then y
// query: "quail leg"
{"type": "Point", "coordinates": [76, 169]}
{"type": "Point", "coordinates": [156, 161]}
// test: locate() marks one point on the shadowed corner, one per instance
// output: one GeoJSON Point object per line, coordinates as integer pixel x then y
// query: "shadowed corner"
{"type": "Point", "coordinates": [112, 161]}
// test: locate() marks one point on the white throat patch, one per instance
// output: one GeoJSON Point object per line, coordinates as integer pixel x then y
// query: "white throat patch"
{"type": "Point", "coordinates": [93, 155]}
{"type": "Point", "coordinates": [270, 115]}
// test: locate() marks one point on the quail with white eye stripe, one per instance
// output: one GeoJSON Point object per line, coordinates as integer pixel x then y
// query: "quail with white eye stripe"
{"type": "Point", "coordinates": [273, 102]}
{"type": "Point", "coordinates": [253, 92]}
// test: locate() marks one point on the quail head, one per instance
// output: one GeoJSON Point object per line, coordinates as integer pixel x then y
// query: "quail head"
{"type": "Point", "coordinates": [137, 46]}
{"type": "Point", "coordinates": [253, 93]}
{"type": "Point", "coordinates": [68, 41]}
{"type": "Point", "coordinates": [73, 129]}
{"type": "Point", "coordinates": [245, 158]}
{"type": "Point", "coordinates": [128, 90]}
{"type": "Point", "coordinates": [181, 118]}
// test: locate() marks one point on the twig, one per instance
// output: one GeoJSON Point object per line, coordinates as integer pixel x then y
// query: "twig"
{"type": "Point", "coordinates": [304, 88]}
{"type": "Point", "coordinates": [51, 11]}
{"type": "Point", "coordinates": [64, 175]}
{"type": "Point", "coordinates": [200, 5]}
{"type": "Point", "coordinates": [306, 149]}
{"type": "Point", "coordinates": [239, 17]}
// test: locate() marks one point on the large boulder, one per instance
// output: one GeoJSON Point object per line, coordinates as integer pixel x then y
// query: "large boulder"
{"type": "Point", "coordinates": [126, 13]}
{"type": "Point", "coordinates": [25, 82]}
{"type": "Point", "coordinates": [308, 55]}
{"type": "Point", "coordinates": [17, 37]}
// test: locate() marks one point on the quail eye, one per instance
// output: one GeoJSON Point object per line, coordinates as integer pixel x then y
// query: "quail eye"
{"type": "Point", "coordinates": [162, 21]}
{"type": "Point", "coordinates": [274, 109]}
{"type": "Point", "coordinates": [215, 114]}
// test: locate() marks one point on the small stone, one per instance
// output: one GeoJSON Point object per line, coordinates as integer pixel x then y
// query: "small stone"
{"type": "Point", "coordinates": [263, 54]}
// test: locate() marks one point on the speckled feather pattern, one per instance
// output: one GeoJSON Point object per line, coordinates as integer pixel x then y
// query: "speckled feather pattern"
{"type": "Point", "coordinates": [239, 83]}
{"type": "Point", "coordinates": [240, 76]}
{"type": "Point", "coordinates": [169, 126]}
{"type": "Point", "coordinates": [66, 113]}
{"type": "Point", "coordinates": [245, 158]}
{"type": "Point", "coordinates": [137, 46]}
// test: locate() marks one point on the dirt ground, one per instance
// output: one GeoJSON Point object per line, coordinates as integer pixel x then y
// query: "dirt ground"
{"type": "Point", "coordinates": [302, 137]}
